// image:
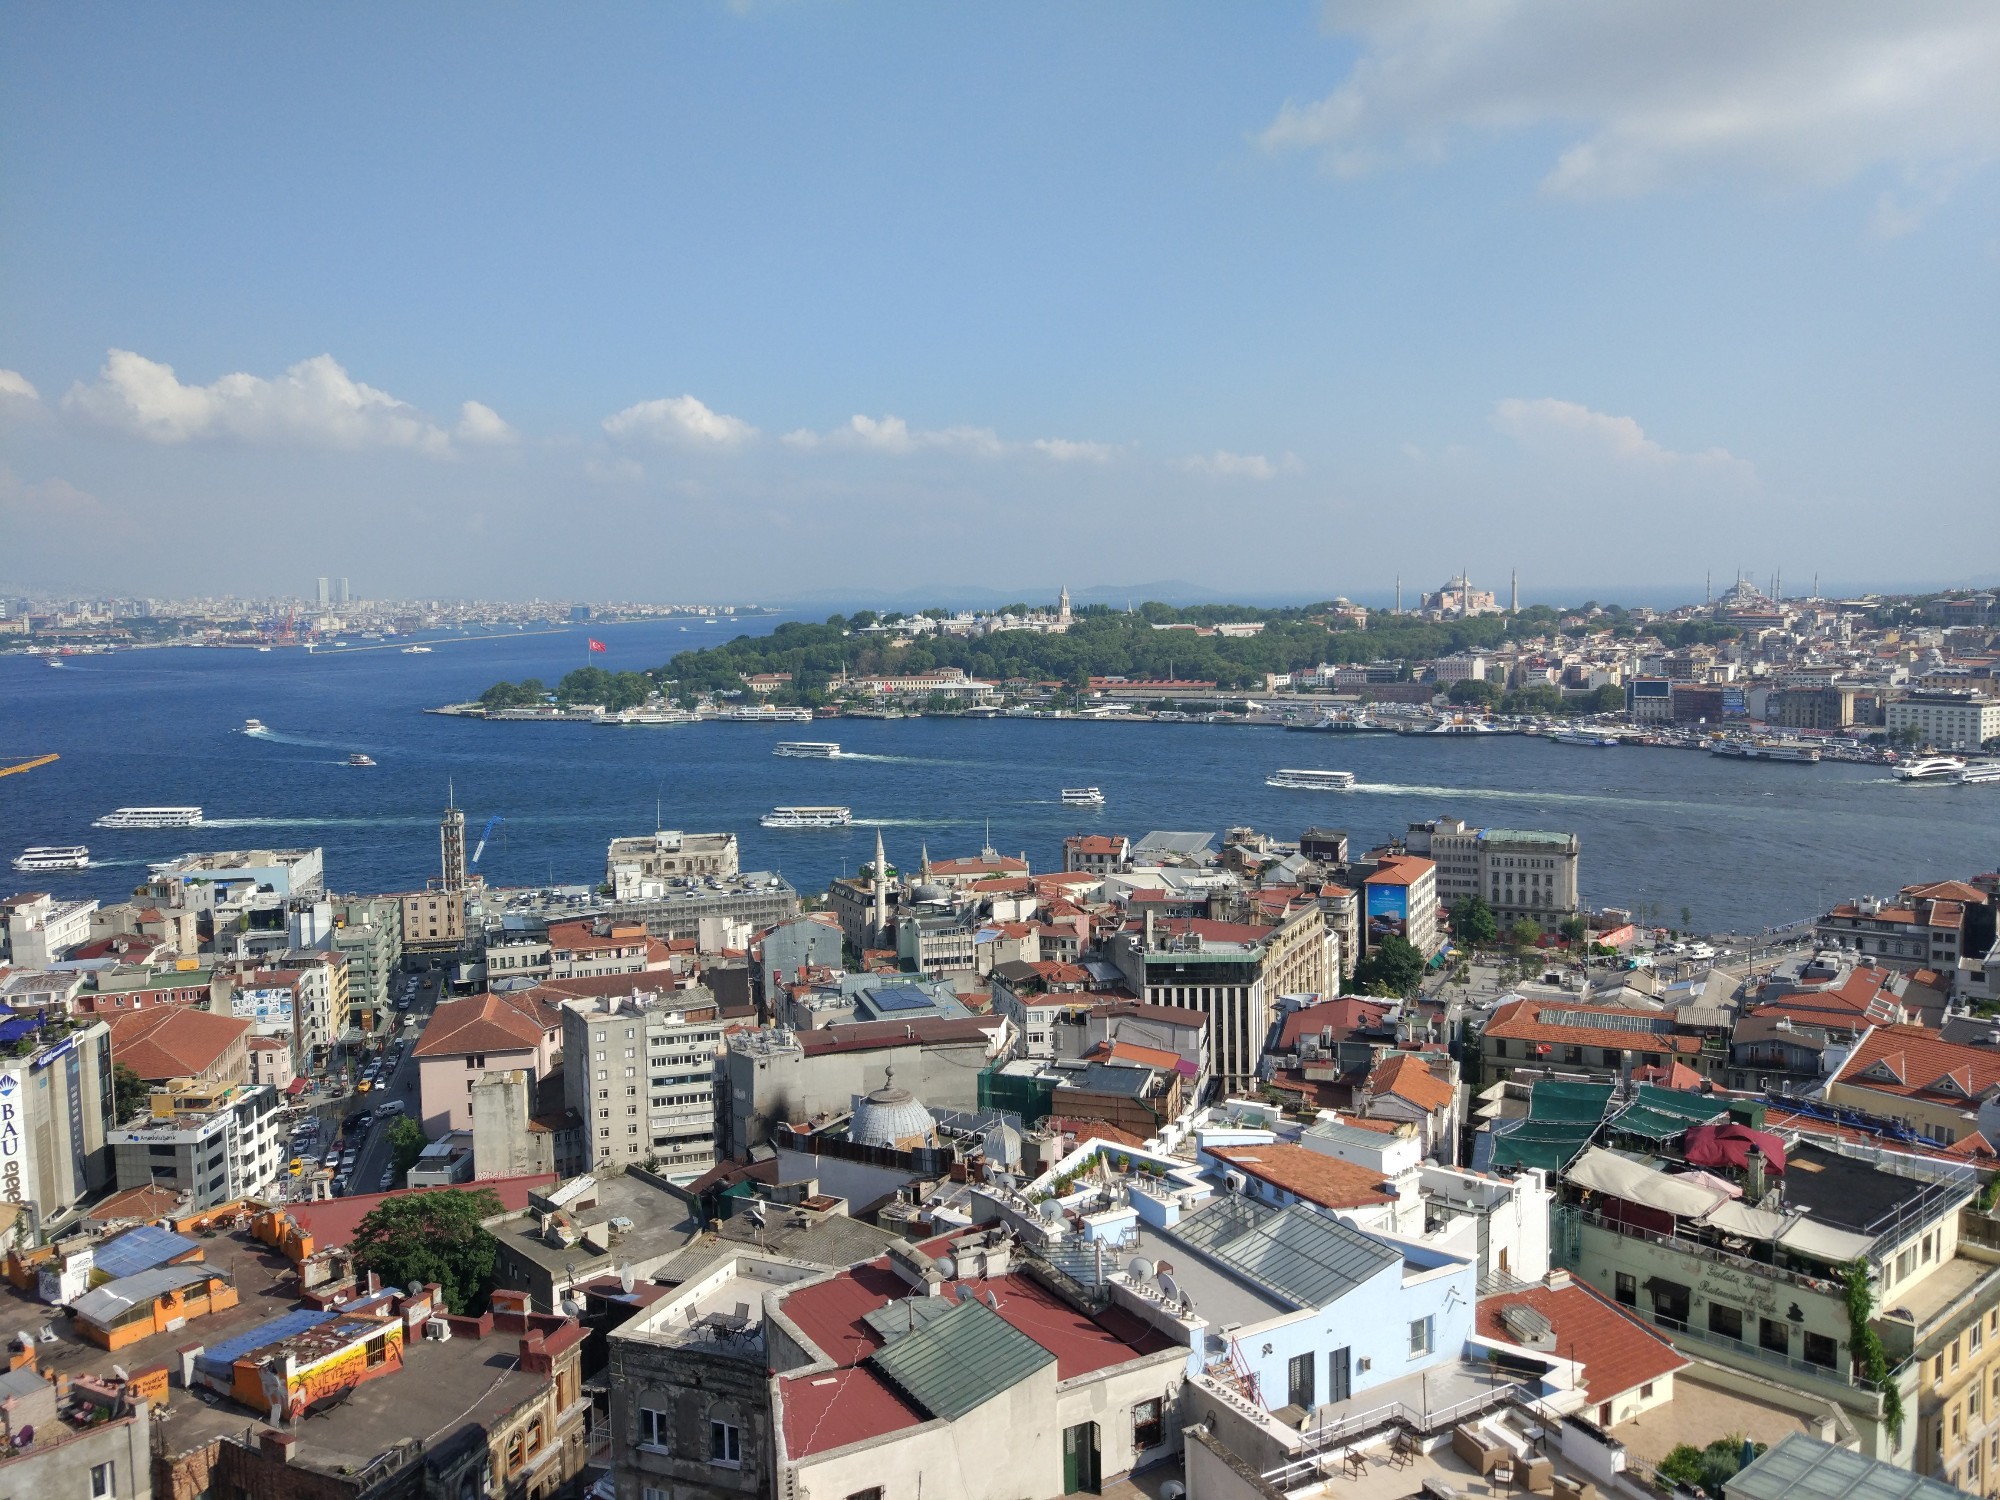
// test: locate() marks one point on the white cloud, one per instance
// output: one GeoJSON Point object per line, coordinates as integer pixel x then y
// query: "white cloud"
{"type": "Point", "coordinates": [893, 435]}
{"type": "Point", "coordinates": [14, 386]}
{"type": "Point", "coordinates": [480, 423]}
{"type": "Point", "coordinates": [1222, 464]}
{"type": "Point", "coordinates": [315, 402]}
{"type": "Point", "coordinates": [680, 421]}
{"type": "Point", "coordinates": [1567, 430]}
{"type": "Point", "coordinates": [1794, 92]}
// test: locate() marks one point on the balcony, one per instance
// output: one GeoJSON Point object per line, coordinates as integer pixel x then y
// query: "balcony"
{"type": "Point", "coordinates": [1824, 1286]}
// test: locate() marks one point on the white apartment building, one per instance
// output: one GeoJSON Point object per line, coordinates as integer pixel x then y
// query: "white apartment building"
{"type": "Point", "coordinates": [39, 928]}
{"type": "Point", "coordinates": [1522, 873]}
{"type": "Point", "coordinates": [213, 1143]}
{"type": "Point", "coordinates": [639, 1070]}
{"type": "Point", "coordinates": [1950, 721]}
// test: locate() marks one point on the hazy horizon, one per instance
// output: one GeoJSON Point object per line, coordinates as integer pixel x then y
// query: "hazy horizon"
{"type": "Point", "coordinates": [768, 301]}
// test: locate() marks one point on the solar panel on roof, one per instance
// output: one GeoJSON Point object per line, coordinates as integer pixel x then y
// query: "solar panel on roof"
{"type": "Point", "coordinates": [1596, 1020]}
{"type": "Point", "coordinates": [901, 997]}
{"type": "Point", "coordinates": [139, 1249]}
{"type": "Point", "coordinates": [219, 1357]}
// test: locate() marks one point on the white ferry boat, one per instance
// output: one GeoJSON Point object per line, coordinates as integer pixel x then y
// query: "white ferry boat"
{"type": "Point", "coordinates": [807, 817]}
{"type": "Point", "coordinates": [1931, 768]}
{"type": "Point", "coordinates": [644, 718]}
{"type": "Point", "coordinates": [1082, 796]}
{"type": "Point", "coordinates": [150, 817]}
{"type": "Point", "coordinates": [358, 759]}
{"type": "Point", "coordinates": [416, 651]}
{"type": "Point", "coordinates": [1571, 737]}
{"type": "Point", "coordinates": [1765, 750]}
{"type": "Point", "coordinates": [1980, 771]}
{"type": "Point", "coordinates": [764, 714]}
{"type": "Point", "coordinates": [808, 749]}
{"type": "Point", "coordinates": [1312, 781]}
{"type": "Point", "coordinates": [53, 857]}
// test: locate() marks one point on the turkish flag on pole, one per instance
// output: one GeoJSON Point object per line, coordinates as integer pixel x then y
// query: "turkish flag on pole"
{"type": "Point", "coordinates": [597, 645]}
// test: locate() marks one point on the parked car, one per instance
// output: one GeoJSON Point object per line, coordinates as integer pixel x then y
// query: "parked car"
{"type": "Point", "coordinates": [387, 1180]}
{"type": "Point", "coordinates": [390, 1110]}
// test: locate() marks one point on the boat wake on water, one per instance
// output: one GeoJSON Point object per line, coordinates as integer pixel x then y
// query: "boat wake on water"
{"type": "Point", "coordinates": [1474, 794]}
{"type": "Point", "coordinates": [276, 738]}
{"type": "Point", "coordinates": [401, 822]}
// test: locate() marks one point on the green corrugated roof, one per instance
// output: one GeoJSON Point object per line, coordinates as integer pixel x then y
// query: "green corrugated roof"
{"type": "Point", "coordinates": [1548, 1144]}
{"type": "Point", "coordinates": [1554, 1099]}
{"type": "Point", "coordinates": [1656, 1112]}
{"type": "Point", "coordinates": [961, 1360]}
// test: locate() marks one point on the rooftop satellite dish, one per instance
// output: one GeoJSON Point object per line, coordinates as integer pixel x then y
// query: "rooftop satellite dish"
{"type": "Point", "coordinates": [755, 1217]}
{"type": "Point", "coordinates": [1049, 1209]}
{"type": "Point", "coordinates": [1169, 1288]}
{"type": "Point", "coordinates": [625, 1278]}
{"type": "Point", "coordinates": [993, 1299]}
{"type": "Point", "coordinates": [118, 1373]}
{"type": "Point", "coordinates": [947, 1267]}
{"type": "Point", "coordinates": [1139, 1268]}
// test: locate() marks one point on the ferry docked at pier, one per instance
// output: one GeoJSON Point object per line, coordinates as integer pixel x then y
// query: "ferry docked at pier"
{"type": "Point", "coordinates": [45, 857]}
{"type": "Point", "coordinates": [1980, 772]}
{"type": "Point", "coordinates": [1931, 768]}
{"type": "Point", "coordinates": [1342, 723]}
{"type": "Point", "coordinates": [1766, 750]}
{"type": "Point", "coordinates": [1082, 796]}
{"type": "Point", "coordinates": [1311, 781]}
{"type": "Point", "coordinates": [1574, 737]}
{"type": "Point", "coordinates": [646, 718]}
{"type": "Point", "coordinates": [808, 749]}
{"type": "Point", "coordinates": [150, 817]}
{"type": "Point", "coordinates": [808, 817]}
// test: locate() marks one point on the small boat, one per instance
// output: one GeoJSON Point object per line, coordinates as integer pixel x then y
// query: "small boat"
{"type": "Point", "coordinates": [255, 726]}
{"type": "Point", "coordinates": [1082, 796]}
{"type": "Point", "coordinates": [43, 857]}
{"type": "Point", "coordinates": [358, 759]}
{"type": "Point", "coordinates": [807, 817]}
{"type": "Point", "coordinates": [1980, 772]}
{"type": "Point", "coordinates": [263, 648]}
{"type": "Point", "coordinates": [51, 662]}
{"type": "Point", "coordinates": [150, 817]}
{"type": "Point", "coordinates": [808, 749]}
{"type": "Point", "coordinates": [1311, 781]}
{"type": "Point", "coordinates": [416, 651]}
{"type": "Point", "coordinates": [1931, 768]}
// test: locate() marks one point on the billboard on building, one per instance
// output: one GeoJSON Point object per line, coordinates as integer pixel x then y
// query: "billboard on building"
{"type": "Point", "coordinates": [266, 1007]}
{"type": "Point", "coordinates": [17, 1180]}
{"type": "Point", "coordinates": [1388, 912]}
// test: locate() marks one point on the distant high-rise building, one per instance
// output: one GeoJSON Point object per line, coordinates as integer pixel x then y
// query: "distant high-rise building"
{"type": "Point", "coordinates": [340, 594]}
{"type": "Point", "coordinates": [324, 596]}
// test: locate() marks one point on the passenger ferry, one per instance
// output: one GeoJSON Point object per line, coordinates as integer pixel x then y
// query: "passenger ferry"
{"type": "Point", "coordinates": [808, 817]}
{"type": "Point", "coordinates": [358, 759]}
{"type": "Point", "coordinates": [416, 651]}
{"type": "Point", "coordinates": [53, 857]}
{"type": "Point", "coordinates": [1932, 768]}
{"type": "Point", "coordinates": [1342, 723]}
{"type": "Point", "coordinates": [808, 749]}
{"type": "Point", "coordinates": [643, 718]}
{"type": "Point", "coordinates": [1980, 771]}
{"type": "Point", "coordinates": [150, 817]}
{"type": "Point", "coordinates": [764, 714]}
{"type": "Point", "coordinates": [1082, 796]}
{"type": "Point", "coordinates": [1572, 737]}
{"type": "Point", "coordinates": [254, 726]}
{"type": "Point", "coordinates": [1765, 750]}
{"type": "Point", "coordinates": [1312, 781]}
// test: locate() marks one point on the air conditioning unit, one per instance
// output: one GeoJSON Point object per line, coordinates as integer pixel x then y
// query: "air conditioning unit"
{"type": "Point", "coordinates": [1363, 1365]}
{"type": "Point", "coordinates": [437, 1330]}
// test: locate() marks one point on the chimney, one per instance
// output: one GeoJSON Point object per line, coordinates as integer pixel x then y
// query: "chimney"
{"type": "Point", "coordinates": [1754, 1183]}
{"type": "Point", "coordinates": [276, 1445]}
{"type": "Point", "coordinates": [1149, 929]}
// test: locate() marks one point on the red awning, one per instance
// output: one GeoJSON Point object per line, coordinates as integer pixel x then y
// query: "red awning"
{"type": "Point", "coordinates": [296, 1087]}
{"type": "Point", "coordinates": [1729, 1146]}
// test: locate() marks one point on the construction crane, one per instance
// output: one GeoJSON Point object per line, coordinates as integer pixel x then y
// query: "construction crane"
{"type": "Point", "coordinates": [28, 765]}
{"type": "Point", "coordinates": [484, 834]}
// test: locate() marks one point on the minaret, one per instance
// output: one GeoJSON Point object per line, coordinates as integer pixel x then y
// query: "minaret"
{"type": "Point", "coordinates": [924, 868]}
{"type": "Point", "coordinates": [1399, 593]}
{"type": "Point", "coordinates": [1062, 607]}
{"type": "Point", "coordinates": [451, 844]}
{"type": "Point", "coordinates": [1514, 592]}
{"type": "Point", "coordinates": [881, 913]}
{"type": "Point", "coordinates": [1708, 588]}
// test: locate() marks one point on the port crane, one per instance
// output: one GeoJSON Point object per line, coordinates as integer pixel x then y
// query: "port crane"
{"type": "Point", "coordinates": [28, 765]}
{"type": "Point", "coordinates": [484, 834]}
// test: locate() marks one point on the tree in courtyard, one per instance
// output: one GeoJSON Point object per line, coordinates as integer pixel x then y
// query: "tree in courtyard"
{"type": "Point", "coordinates": [1472, 921]}
{"type": "Point", "coordinates": [128, 1091]}
{"type": "Point", "coordinates": [432, 1237]}
{"type": "Point", "coordinates": [1574, 929]}
{"type": "Point", "coordinates": [1471, 691]}
{"type": "Point", "coordinates": [1525, 933]}
{"type": "Point", "coordinates": [1392, 967]}
{"type": "Point", "coordinates": [406, 1144]}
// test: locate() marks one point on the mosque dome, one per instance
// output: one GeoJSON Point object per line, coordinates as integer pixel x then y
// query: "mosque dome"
{"type": "Point", "coordinates": [931, 893]}
{"type": "Point", "coordinates": [892, 1117]}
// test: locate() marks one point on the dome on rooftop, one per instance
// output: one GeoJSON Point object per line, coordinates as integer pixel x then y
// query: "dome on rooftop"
{"type": "Point", "coordinates": [892, 1117]}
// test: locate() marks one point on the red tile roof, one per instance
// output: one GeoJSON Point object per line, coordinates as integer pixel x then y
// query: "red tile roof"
{"type": "Point", "coordinates": [1912, 1062]}
{"type": "Point", "coordinates": [1617, 1351]}
{"type": "Point", "coordinates": [172, 1041]}
{"type": "Point", "coordinates": [1521, 1021]}
{"type": "Point", "coordinates": [1309, 1174]}
{"type": "Point", "coordinates": [1092, 1130]}
{"type": "Point", "coordinates": [1343, 1017]}
{"type": "Point", "coordinates": [1400, 869]}
{"type": "Point", "coordinates": [332, 1221]}
{"type": "Point", "coordinates": [836, 1407]}
{"type": "Point", "coordinates": [479, 1023]}
{"type": "Point", "coordinates": [1406, 1077]}
{"type": "Point", "coordinates": [866, 1036]}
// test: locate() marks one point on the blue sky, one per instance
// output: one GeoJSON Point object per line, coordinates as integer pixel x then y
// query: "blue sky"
{"type": "Point", "coordinates": [707, 301]}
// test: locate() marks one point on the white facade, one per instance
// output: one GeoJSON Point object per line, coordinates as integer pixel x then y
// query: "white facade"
{"type": "Point", "coordinates": [640, 1071]}
{"type": "Point", "coordinates": [1948, 721]}
{"type": "Point", "coordinates": [40, 930]}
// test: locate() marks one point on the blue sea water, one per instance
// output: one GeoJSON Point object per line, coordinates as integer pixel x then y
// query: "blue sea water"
{"type": "Point", "coordinates": [1742, 845]}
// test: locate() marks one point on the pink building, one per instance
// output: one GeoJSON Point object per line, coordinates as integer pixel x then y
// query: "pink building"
{"type": "Point", "coordinates": [469, 1038]}
{"type": "Point", "coordinates": [271, 1062]}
